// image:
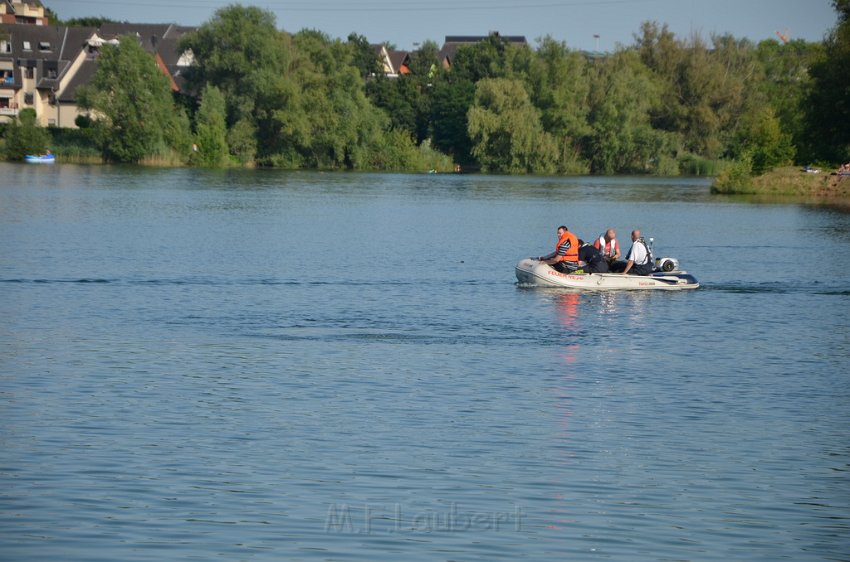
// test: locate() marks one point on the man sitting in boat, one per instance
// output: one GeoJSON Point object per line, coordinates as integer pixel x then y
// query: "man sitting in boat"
{"type": "Point", "coordinates": [591, 259]}
{"type": "Point", "coordinates": [608, 245]}
{"type": "Point", "coordinates": [565, 256]}
{"type": "Point", "coordinates": [638, 260]}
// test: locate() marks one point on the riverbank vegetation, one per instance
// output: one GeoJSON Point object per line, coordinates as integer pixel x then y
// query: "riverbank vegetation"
{"type": "Point", "coordinates": [664, 105]}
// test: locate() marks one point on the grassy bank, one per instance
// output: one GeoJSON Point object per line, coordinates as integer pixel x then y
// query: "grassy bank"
{"type": "Point", "coordinates": [791, 182]}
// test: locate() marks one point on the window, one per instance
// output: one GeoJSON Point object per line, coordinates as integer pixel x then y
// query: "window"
{"type": "Point", "coordinates": [27, 46]}
{"type": "Point", "coordinates": [5, 46]}
{"type": "Point", "coordinates": [30, 72]}
{"type": "Point", "coordinates": [43, 46]}
{"type": "Point", "coordinates": [28, 99]}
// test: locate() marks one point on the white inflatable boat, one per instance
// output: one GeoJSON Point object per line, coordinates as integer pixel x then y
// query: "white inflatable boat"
{"type": "Point", "coordinates": [532, 272]}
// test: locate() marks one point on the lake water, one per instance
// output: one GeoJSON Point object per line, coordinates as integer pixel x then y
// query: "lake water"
{"type": "Point", "coordinates": [260, 365]}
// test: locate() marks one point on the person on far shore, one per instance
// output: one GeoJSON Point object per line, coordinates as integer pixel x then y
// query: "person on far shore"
{"type": "Point", "coordinates": [609, 247]}
{"type": "Point", "coordinates": [638, 259]}
{"type": "Point", "coordinates": [565, 256]}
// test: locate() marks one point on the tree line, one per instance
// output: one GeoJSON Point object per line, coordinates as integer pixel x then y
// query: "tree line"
{"type": "Point", "coordinates": [664, 105]}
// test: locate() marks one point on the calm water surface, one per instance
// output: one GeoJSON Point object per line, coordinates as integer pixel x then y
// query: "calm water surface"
{"type": "Point", "coordinates": [288, 366]}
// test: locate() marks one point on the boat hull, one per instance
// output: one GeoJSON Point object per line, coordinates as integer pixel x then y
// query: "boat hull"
{"type": "Point", "coordinates": [532, 272]}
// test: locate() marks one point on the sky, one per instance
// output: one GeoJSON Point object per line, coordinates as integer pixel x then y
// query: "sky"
{"type": "Point", "coordinates": [582, 24]}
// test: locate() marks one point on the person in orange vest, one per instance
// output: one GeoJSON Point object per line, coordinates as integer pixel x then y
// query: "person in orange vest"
{"type": "Point", "coordinates": [565, 256]}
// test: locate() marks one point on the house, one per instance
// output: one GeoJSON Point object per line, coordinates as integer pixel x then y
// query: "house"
{"type": "Point", "coordinates": [383, 57]}
{"type": "Point", "coordinates": [43, 67]}
{"type": "Point", "coordinates": [28, 12]}
{"type": "Point", "coordinates": [455, 42]}
{"type": "Point", "coordinates": [37, 63]}
{"type": "Point", "coordinates": [400, 62]}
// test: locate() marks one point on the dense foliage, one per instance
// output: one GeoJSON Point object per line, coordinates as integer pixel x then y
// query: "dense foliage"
{"type": "Point", "coordinates": [24, 136]}
{"type": "Point", "coordinates": [131, 97]}
{"type": "Point", "coordinates": [664, 105]}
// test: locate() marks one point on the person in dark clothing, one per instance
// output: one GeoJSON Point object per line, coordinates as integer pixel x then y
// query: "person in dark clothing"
{"type": "Point", "coordinates": [594, 261]}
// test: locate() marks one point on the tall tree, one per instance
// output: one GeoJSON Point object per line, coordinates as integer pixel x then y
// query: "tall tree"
{"type": "Point", "coordinates": [506, 131]}
{"type": "Point", "coordinates": [785, 83]}
{"type": "Point", "coordinates": [364, 56]}
{"type": "Point", "coordinates": [558, 83]}
{"type": "Point", "coordinates": [450, 99]}
{"type": "Point", "coordinates": [704, 90]}
{"type": "Point", "coordinates": [623, 93]}
{"type": "Point", "coordinates": [132, 102]}
{"type": "Point", "coordinates": [828, 105]}
{"type": "Point", "coordinates": [210, 128]}
{"type": "Point", "coordinates": [243, 54]}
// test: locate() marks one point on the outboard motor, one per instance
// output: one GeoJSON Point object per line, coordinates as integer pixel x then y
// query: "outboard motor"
{"type": "Point", "coordinates": [665, 265]}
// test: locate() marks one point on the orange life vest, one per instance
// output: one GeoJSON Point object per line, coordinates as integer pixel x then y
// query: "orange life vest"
{"type": "Point", "coordinates": [572, 251]}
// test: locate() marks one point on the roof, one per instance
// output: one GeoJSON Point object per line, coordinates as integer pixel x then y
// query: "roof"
{"type": "Point", "coordinates": [454, 42]}
{"type": "Point", "coordinates": [43, 48]}
{"type": "Point", "coordinates": [52, 49]}
{"type": "Point", "coordinates": [82, 77]}
{"type": "Point", "coordinates": [399, 59]}
{"type": "Point", "coordinates": [150, 34]}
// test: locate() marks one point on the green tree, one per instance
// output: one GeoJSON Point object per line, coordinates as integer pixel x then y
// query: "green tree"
{"type": "Point", "coordinates": [506, 131]}
{"type": "Point", "coordinates": [622, 140]}
{"type": "Point", "coordinates": [760, 139]}
{"type": "Point", "coordinates": [398, 97]}
{"type": "Point", "coordinates": [557, 79]}
{"type": "Point", "coordinates": [785, 83]}
{"type": "Point", "coordinates": [245, 56]}
{"type": "Point", "coordinates": [325, 120]}
{"type": "Point", "coordinates": [487, 58]}
{"type": "Point", "coordinates": [449, 102]}
{"type": "Point", "coordinates": [242, 140]}
{"type": "Point", "coordinates": [364, 56]}
{"type": "Point", "coordinates": [704, 90]}
{"type": "Point", "coordinates": [406, 99]}
{"type": "Point", "coordinates": [211, 129]}
{"type": "Point", "coordinates": [24, 136]}
{"type": "Point", "coordinates": [828, 104]}
{"type": "Point", "coordinates": [132, 102]}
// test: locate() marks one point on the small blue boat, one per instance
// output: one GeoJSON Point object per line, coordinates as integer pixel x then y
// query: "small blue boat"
{"type": "Point", "coordinates": [40, 158]}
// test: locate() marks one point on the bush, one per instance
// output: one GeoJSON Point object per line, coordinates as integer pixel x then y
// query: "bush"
{"type": "Point", "coordinates": [693, 165]}
{"type": "Point", "coordinates": [735, 177]}
{"type": "Point", "coordinates": [24, 136]}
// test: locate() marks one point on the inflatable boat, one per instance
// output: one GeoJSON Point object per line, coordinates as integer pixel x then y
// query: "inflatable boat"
{"type": "Point", "coordinates": [667, 277]}
{"type": "Point", "coordinates": [39, 159]}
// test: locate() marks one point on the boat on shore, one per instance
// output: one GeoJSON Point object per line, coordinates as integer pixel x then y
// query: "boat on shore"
{"type": "Point", "coordinates": [532, 272]}
{"type": "Point", "coordinates": [39, 158]}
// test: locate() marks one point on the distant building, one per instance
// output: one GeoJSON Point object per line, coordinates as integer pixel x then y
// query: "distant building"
{"type": "Point", "coordinates": [42, 67]}
{"type": "Point", "coordinates": [25, 12]}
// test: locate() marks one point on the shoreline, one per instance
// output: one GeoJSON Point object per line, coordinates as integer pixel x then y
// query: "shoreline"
{"type": "Point", "coordinates": [793, 181]}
